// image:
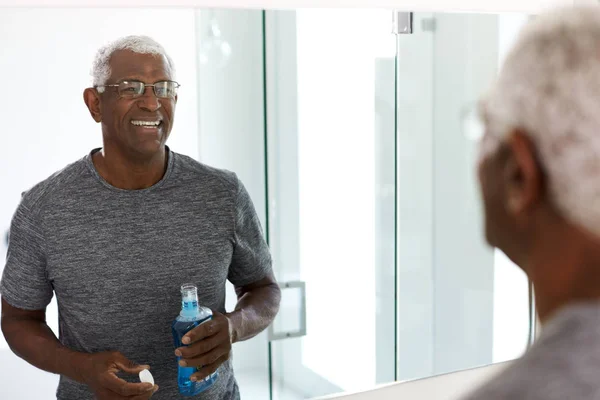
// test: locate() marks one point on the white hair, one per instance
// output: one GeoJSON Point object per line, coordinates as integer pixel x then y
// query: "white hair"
{"type": "Point", "coordinates": [549, 86]}
{"type": "Point", "coordinates": [138, 44]}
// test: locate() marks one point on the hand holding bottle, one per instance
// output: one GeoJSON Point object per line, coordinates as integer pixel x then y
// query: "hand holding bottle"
{"type": "Point", "coordinates": [207, 346]}
{"type": "Point", "coordinates": [99, 372]}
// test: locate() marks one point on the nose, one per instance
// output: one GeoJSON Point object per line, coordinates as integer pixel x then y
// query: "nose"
{"type": "Point", "coordinates": [148, 101]}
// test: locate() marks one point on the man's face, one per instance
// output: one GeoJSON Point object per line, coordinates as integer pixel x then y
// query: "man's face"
{"type": "Point", "coordinates": [125, 120]}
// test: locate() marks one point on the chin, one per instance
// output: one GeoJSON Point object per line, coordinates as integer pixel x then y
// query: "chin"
{"type": "Point", "coordinates": [148, 149]}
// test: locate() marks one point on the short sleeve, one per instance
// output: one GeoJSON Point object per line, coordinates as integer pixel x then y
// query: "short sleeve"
{"type": "Point", "coordinates": [24, 281]}
{"type": "Point", "coordinates": [251, 260]}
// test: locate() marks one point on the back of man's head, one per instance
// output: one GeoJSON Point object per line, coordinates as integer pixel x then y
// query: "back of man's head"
{"type": "Point", "coordinates": [549, 87]}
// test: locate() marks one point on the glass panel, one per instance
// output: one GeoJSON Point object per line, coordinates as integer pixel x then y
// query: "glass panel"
{"type": "Point", "coordinates": [457, 306]}
{"type": "Point", "coordinates": [229, 55]}
{"type": "Point", "coordinates": [331, 195]}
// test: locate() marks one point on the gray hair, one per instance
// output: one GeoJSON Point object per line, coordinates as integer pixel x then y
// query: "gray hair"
{"type": "Point", "coordinates": [138, 44]}
{"type": "Point", "coordinates": [549, 86]}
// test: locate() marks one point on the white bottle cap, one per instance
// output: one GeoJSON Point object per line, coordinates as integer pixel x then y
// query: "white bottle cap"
{"type": "Point", "coordinates": [146, 376]}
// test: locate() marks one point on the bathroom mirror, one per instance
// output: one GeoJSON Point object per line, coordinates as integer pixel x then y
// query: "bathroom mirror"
{"type": "Point", "coordinates": [349, 133]}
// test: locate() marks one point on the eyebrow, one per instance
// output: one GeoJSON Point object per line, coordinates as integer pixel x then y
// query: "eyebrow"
{"type": "Point", "coordinates": [137, 79]}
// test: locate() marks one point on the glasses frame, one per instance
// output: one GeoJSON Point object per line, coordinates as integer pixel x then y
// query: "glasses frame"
{"type": "Point", "coordinates": [100, 88]}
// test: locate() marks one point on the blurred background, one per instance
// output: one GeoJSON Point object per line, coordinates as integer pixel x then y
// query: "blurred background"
{"type": "Point", "coordinates": [358, 149]}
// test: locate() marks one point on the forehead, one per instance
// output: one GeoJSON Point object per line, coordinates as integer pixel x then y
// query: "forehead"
{"type": "Point", "coordinates": [125, 64]}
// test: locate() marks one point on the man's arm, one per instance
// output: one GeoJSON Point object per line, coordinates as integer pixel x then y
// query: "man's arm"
{"type": "Point", "coordinates": [30, 338]}
{"type": "Point", "coordinates": [25, 282]}
{"type": "Point", "coordinates": [257, 306]}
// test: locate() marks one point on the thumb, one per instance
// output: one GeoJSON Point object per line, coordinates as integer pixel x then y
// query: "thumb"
{"type": "Point", "coordinates": [128, 366]}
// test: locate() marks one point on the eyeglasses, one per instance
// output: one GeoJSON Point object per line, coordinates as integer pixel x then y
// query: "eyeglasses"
{"type": "Point", "coordinates": [473, 127]}
{"type": "Point", "coordinates": [134, 89]}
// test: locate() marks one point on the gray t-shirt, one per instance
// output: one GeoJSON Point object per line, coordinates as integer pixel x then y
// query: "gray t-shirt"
{"type": "Point", "coordinates": [116, 260]}
{"type": "Point", "coordinates": [563, 364]}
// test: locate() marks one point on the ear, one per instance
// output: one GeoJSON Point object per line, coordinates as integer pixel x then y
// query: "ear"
{"type": "Point", "coordinates": [523, 175]}
{"type": "Point", "coordinates": [92, 100]}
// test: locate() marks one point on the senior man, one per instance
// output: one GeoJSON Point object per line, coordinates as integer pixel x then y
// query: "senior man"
{"type": "Point", "coordinates": [539, 172]}
{"type": "Point", "coordinates": [116, 233]}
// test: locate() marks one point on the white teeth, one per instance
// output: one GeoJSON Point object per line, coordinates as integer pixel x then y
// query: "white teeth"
{"type": "Point", "coordinates": [145, 123]}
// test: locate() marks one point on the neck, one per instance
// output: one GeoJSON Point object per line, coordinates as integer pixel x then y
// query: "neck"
{"type": "Point", "coordinates": [128, 173]}
{"type": "Point", "coordinates": [564, 270]}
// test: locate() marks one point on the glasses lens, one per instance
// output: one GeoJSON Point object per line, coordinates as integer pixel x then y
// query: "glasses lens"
{"type": "Point", "coordinates": [131, 89]}
{"type": "Point", "coordinates": [472, 125]}
{"type": "Point", "coordinates": [166, 89]}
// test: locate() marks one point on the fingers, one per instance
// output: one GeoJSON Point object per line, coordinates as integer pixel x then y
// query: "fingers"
{"type": "Point", "coordinates": [126, 365]}
{"type": "Point", "coordinates": [209, 369]}
{"type": "Point", "coordinates": [206, 358]}
{"type": "Point", "coordinates": [204, 330]}
{"type": "Point", "coordinates": [123, 388]}
{"type": "Point", "coordinates": [217, 324]}
{"type": "Point", "coordinates": [198, 348]}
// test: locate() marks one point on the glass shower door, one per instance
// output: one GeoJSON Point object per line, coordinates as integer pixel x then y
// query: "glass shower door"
{"type": "Point", "coordinates": [460, 303]}
{"type": "Point", "coordinates": [331, 124]}
{"type": "Point", "coordinates": [374, 214]}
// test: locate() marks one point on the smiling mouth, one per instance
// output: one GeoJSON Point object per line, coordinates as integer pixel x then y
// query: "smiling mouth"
{"type": "Point", "coordinates": [147, 124]}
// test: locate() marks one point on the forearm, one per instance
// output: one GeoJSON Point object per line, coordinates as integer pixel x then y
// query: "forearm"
{"type": "Point", "coordinates": [254, 311]}
{"type": "Point", "coordinates": [34, 341]}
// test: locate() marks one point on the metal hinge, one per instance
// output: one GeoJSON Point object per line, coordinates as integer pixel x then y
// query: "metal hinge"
{"type": "Point", "coordinates": [402, 23]}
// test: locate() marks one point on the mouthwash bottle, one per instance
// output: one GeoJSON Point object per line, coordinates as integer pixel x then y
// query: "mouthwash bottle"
{"type": "Point", "coordinates": [191, 316]}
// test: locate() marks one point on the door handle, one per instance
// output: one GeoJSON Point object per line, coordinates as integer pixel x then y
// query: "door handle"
{"type": "Point", "coordinates": [273, 335]}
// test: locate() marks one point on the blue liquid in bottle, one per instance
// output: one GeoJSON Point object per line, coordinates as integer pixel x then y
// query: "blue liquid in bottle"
{"type": "Point", "coordinates": [191, 316]}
